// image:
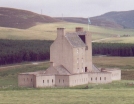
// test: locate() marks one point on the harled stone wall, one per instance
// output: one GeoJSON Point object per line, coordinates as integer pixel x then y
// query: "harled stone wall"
{"type": "Point", "coordinates": [61, 52]}
{"type": "Point", "coordinates": [115, 74]}
{"type": "Point", "coordinates": [78, 79]}
{"type": "Point", "coordinates": [100, 77]}
{"type": "Point", "coordinates": [79, 60]}
{"type": "Point", "coordinates": [26, 80]}
{"type": "Point", "coordinates": [45, 81]}
{"type": "Point", "coordinates": [62, 81]}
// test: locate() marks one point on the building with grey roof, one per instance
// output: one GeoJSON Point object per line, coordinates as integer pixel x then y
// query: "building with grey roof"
{"type": "Point", "coordinates": [70, 64]}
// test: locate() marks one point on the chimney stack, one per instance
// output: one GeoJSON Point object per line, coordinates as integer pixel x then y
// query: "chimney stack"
{"type": "Point", "coordinates": [79, 29]}
{"type": "Point", "coordinates": [60, 32]}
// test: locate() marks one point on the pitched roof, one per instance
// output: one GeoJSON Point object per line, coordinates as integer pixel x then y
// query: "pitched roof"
{"type": "Point", "coordinates": [57, 70]}
{"type": "Point", "coordinates": [62, 70]}
{"type": "Point", "coordinates": [74, 40]}
{"type": "Point", "coordinates": [95, 69]}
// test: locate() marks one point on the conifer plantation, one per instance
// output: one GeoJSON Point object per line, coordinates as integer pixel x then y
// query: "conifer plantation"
{"type": "Point", "coordinates": [17, 51]}
{"type": "Point", "coordinates": [113, 49]}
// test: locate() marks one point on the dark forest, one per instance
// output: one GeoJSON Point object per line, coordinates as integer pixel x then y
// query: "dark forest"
{"type": "Point", "coordinates": [17, 51]}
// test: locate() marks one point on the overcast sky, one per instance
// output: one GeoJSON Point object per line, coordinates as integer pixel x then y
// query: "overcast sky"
{"type": "Point", "coordinates": [70, 8]}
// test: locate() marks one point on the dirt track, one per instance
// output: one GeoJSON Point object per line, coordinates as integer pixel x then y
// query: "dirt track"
{"type": "Point", "coordinates": [13, 66]}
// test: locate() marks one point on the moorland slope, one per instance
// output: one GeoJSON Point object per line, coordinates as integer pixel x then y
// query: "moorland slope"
{"type": "Point", "coordinates": [22, 19]}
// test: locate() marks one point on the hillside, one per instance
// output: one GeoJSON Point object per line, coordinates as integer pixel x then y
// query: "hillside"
{"type": "Point", "coordinates": [47, 31]}
{"type": "Point", "coordinates": [73, 19]}
{"type": "Point", "coordinates": [123, 19]}
{"type": "Point", "coordinates": [94, 21]}
{"type": "Point", "coordinates": [22, 19]}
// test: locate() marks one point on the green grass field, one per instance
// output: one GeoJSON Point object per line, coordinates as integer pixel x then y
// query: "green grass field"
{"type": "Point", "coordinates": [119, 62]}
{"type": "Point", "coordinates": [48, 32]}
{"type": "Point", "coordinates": [68, 96]}
{"type": "Point", "coordinates": [117, 92]}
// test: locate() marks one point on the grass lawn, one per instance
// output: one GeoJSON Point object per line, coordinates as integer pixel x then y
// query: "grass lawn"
{"type": "Point", "coordinates": [68, 96]}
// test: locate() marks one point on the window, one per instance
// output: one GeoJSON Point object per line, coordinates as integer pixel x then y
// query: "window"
{"type": "Point", "coordinates": [100, 78]}
{"type": "Point", "coordinates": [24, 79]}
{"type": "Point", "coordinates": [43, 81]}
{"type": "Point", "coordinates": [27, 79]}
{"type": "Point", "coordinates": [31, 80]}
{"type": "Point", "coordinates": [47, 81]}
{"type": "Point", "coordinates": [63, 80]}
{"type": "Point", "coordinates": [91, 79]}
{"type": "Point", "coordinates": [52, 80]}
{"type": "Point", "coordinates": [59, 80]}
{"type": "Point", "coordinates": [85, 69]}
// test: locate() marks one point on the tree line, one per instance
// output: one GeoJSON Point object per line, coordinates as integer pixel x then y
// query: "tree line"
{"type": "Point", "coordinates": [16, 51]}
{"type": "Point", "coordinates": [113, 49]}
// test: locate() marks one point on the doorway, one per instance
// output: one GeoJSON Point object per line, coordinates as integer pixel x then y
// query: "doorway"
{"type": "Point", "coordinates": [85, 69]}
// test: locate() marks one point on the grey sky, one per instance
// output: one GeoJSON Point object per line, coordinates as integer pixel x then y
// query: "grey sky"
{"type": "Point", "coordinates": [70, 8]}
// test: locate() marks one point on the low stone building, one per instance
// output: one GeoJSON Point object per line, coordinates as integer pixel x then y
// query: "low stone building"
{"type": "Point", "coordinates": [70, 64]}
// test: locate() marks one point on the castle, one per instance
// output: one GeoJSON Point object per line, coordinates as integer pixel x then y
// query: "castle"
{"type": "Point", "coordinates": [70, 64]}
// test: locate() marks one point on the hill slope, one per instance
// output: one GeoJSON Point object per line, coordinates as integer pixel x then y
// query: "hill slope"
{"type": "Point", "coordinates": [48, 31]}
{"type": "Point", "coordinates": [95, 21]}
{"type": "Point", "coordinates": [122, 19]}
{"type": "Point", "coordinates": [21, 19]}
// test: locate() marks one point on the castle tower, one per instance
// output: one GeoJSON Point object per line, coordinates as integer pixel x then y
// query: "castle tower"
{"type": "Point", "coordinates": [86, 38]}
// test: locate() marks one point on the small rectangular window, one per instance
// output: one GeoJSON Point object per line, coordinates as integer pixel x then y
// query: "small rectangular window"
{"type": "Point", "coordinates": [85, 69]}
{"type": "Point", "coordinates": [52, 80]}
{"type": "Point", "coordinates": [86, 48]}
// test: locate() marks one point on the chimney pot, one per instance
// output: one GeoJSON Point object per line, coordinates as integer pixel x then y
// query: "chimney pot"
{"type": "Point", "coordinates": [79, 29]}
